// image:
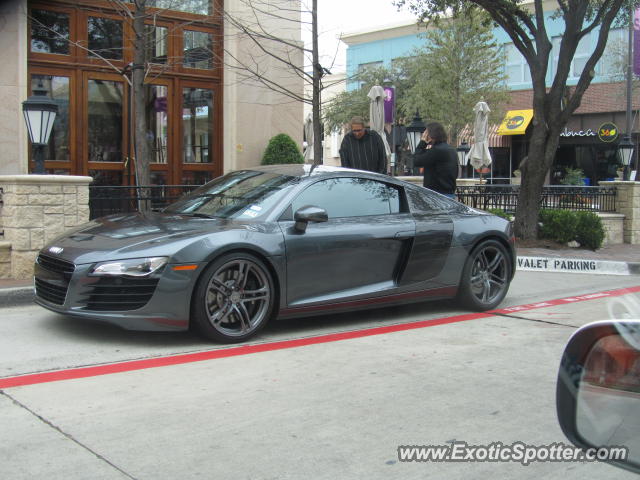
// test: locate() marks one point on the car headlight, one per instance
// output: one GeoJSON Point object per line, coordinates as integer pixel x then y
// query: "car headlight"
{"type": "Point", "coordinates": [134, 267]}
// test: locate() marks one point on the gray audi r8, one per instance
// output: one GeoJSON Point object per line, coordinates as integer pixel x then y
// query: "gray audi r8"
{"type": "Point", "coordinates": [277, 241]}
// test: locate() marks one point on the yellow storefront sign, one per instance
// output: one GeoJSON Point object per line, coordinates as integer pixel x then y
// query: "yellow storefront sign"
{"type": "Point", "coordinates": [515, 122]}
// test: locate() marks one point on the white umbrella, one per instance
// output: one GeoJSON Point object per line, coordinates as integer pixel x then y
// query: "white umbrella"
{"type": "Point", "coordinates": [479, 155]}
{"type": "Point", "coordinates": [376, 114]}
{"type": "Point", "coordinates": [308, 133]}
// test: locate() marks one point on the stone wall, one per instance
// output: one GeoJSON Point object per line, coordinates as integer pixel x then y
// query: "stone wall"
{"type": "Point", "coordinates": [628, 204]}
{"type": "Point", "coordinates": [35, 209]}
{"type": "Point", "coordinates": [613, 224]}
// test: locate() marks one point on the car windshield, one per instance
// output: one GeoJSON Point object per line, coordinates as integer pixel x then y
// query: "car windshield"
{"type": "Point", "coordinates": [244, 194]}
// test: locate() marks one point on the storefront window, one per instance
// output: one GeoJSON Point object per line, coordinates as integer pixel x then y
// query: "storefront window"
{"type": "Point", "coordinates": [198, 51]}
{"type": "Point", "coordinates": [158, 178]}
{"type": "Point", "coordinates": [58, 89]}
{"type": "Point", "coordinates": [157, 122]}
{"type": "Point", "coordinates": [157, 44]}
{"type": "Point", "coordinates": [105, 38]}
{"type": "Point", "coordinates": [197, 125]}
{"type": "Point", "coordinates": [106, 177]}
{"type": "Point", "coordinates": [105, 121]}
{"type": "Point", "coordinates": [49, 32]}
{"type": "Point", "coordinates": [195, 178]}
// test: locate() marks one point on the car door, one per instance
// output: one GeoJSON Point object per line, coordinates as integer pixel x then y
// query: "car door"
{"type": "Point", "coordinates": [361, 249]}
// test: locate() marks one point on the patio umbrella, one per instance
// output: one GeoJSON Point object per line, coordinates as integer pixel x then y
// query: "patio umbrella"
{"type": "Point", "coordinates": [376, 114]}
{"type": "Point", "coordinates": [479, 155]}
{"type": "Point", "coordinates": [308, 133]}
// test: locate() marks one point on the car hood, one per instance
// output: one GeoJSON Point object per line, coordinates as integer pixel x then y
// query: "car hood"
{"type": "Point", "coordinates": [131, 235]}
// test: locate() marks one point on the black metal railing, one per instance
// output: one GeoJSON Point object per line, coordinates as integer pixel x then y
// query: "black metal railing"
{"type": "Point", "coordinates": [105, 200]}
{"type": "Point", "coordinates": [567, 197]}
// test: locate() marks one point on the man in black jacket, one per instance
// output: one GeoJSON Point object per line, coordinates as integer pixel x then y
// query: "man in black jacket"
{"type": "Point", "coordinates": [363, 149]}
{"type": "Point", "coordinates": [439, 160]}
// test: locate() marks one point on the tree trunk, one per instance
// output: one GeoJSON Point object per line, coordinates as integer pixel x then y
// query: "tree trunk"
{"type": "Point", "coordinates": [542, 149]}
{"type": "Point", "coordinates": [141, 142]}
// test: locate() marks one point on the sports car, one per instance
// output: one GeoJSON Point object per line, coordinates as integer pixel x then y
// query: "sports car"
{"type": "Point", "coordinates": [274, 242]}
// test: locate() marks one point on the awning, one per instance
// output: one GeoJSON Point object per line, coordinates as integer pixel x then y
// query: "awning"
{"type": "Point", "coordinates": [515, 122]}
{"type": "Point", "coordinates": [495, 140]}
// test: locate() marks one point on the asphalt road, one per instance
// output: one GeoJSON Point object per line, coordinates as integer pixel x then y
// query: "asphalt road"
{"type": "Point", "coordinates": [337, 409]}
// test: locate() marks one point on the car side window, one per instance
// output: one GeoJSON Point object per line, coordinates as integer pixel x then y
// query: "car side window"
{"type": "Point", "coordinates": [423, 201]}
{"type": "Point", "coordinates": [350, 197]}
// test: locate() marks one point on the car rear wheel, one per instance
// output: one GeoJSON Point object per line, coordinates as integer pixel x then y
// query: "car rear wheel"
{"type": "Point", "coordinates": [234, 298]}
{"type": "Point", "coordinates": [486, 276]}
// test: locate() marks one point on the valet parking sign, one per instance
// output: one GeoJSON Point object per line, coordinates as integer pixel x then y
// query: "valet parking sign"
{"type": "Point", "coordinates": [571, 265]}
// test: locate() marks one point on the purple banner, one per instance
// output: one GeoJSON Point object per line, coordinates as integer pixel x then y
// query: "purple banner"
{"type": "Point", "coordinates": [636, 41]}
{"type": "Point", "coordinates": [389, 104]}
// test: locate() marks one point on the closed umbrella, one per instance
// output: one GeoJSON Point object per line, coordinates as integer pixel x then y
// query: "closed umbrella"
{"type": "Point", "coordinates": [376, 114]}
{"type": "Point", "coordinates": [308, 133]}
{"type": "Point", "coordinates": [479, 155]}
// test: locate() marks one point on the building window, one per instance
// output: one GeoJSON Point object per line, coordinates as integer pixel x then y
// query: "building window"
{"type": "Point", "coordinates": [105, 38]}
{"type": "Point", "coordinates": [58, 89]}
{"type": "Point", "coordinates": [49, 32]}
{"type": "Point", "coordinates": [197, 49]}
{"type": "Point", "coordinates": [197, 124]}
{"type": "Point", "coordinates": [157, 44]}
{"type": "Point", "coordinates": [157, 121]}
{"type": "Point", "coordinates": [199, 7]}
{"type": "Point", "coordinates": [363, 67]}
{"type": "Point", "coordinates": [614, 59]}
{"type": "Point", "coordinates": [517, 68]}
{"type": "Point", "coordinates": [611, 62]}
{"type": "Point", "coordinates": [105, 121]}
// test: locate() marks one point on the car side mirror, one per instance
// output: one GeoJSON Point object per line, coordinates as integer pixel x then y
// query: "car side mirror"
{"type": "Point", "coordinates": [598, 391]}
{"type": "Point", "coordinates": [306, 214]}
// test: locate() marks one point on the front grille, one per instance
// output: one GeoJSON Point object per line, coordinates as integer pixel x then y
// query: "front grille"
{"type": "Point", "coordinates": [52, 277]}
{"type": "Point", "coordinates": [50, 292]}
{"type": "Point", "coordinates": [119, 293]}
{"type": "Point", "coordinates": [56, 264]}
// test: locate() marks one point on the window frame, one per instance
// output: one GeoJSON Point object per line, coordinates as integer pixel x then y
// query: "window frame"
{"type": "Point", "coordinates": [73, 53]}
{"type": "Point", "coordinates": [402, 203]}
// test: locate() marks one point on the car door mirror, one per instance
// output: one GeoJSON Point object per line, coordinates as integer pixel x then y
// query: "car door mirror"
{"type": "Point", "coordinates": [598, 391]}
{"type": "Point", "coordinates": [306, 214]}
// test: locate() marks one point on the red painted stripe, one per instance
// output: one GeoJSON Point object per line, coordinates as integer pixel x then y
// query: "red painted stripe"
{"type": "Point", "coordinates": [128, 366]}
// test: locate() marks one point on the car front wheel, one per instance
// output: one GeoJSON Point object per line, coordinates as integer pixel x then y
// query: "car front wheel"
{"type": "Point", "coordinates": [486, 276]}
{"type": "Point", "coordinates": [234, 298]}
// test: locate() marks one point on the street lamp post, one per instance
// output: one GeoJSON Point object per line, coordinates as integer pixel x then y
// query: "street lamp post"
{"type": "Point", "coordinates": [462, 152]}
{"type": "Point", "coordinates": [39, 114]}
{"type": "Point", "coordinates": [414, 131]}
{"type": "Point", "coordinates": [626, 152]}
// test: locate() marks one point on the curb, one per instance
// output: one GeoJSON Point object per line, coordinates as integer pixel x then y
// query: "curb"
{"type": "Point", "coordinates": [16, 297]}
{"type": "Point", "coordinates": [541, 263]}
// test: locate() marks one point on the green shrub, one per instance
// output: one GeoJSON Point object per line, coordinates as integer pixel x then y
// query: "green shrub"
{"type": "Point", "coordinates": [573, 176]}
{"type": "Point", "coordinates": [498, 212]}
{"type": "Point", "coordinates": [589, 231]}
{"type": "Point", "coordinates": [282, 149]}
{"type": "Point", "coordinates": [558, 225]}
{"type": "Point", "coordinates": [564, 226]}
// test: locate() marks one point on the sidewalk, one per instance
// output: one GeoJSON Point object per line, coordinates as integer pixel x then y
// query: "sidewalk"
{"type": "Point", "coordinates": [20, 292]}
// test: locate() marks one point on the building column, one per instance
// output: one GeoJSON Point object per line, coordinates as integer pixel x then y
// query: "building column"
{"type": "Point", "coordinates": [628, 204]}
{"type": "Point", "coordinates": [13, 86]}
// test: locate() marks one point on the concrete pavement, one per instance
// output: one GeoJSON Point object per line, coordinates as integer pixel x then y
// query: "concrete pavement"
{"type": "Point", "coordinates": [333, 410]}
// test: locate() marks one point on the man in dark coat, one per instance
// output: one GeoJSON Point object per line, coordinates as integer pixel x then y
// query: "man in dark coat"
{"type": "Point", "coordinates": [363, 149]}
{"type": "Point", "coordinates": [439, 160]}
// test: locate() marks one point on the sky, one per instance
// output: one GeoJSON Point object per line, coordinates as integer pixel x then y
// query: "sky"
{"type": "Point", "coordinates": [340, 16]}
